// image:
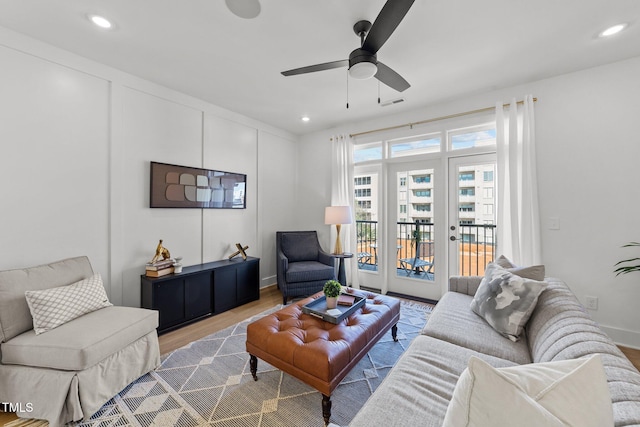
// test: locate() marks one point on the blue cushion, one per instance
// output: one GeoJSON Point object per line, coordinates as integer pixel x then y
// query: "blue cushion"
{"type": "Point", "coordinates": [300, 246]}
{"type": "Point", "coordinates": [307, 271]}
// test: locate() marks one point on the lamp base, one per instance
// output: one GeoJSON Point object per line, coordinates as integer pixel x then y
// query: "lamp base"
{"type": "Point", "coordinates": [337, 250]}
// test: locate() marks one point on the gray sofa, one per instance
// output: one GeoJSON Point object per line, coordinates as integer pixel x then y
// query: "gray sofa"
{"type": "Point", "coordinates": [418, 389]}
{"type": "Point", "coordinates": [67, 373]}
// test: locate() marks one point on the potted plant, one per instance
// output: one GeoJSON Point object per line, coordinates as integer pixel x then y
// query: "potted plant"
{"type": "Point", "coordinates": [624, 269]}
{"type": "Point", "coordinates": [331, 291]}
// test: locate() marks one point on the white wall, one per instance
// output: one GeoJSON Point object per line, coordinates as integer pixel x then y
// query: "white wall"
{"type": "Point", "coordinates": [77, 138]}
{"type": "Point", "coordinates": [588, 151]}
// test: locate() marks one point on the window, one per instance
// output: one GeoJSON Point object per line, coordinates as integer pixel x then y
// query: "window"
{"type": "Point", "coordinates": [362, 180]}
{"type": "Point", "coordinates": [479, 136]}
{"type": "Point", "coordinates": [488, 193]}
{"type": "Point", "coordinates": [363, 192]}
{"type": "Point", "coordinates": [422, 179]}
{"type": "Point", "coordinates": [467, 207]}
{"type": "Point", "coordinates": [364, 204]}
{"type": "Point", "coordinates": [403, 181]}
{"type": "Point", "coordinates": [415, 145]}
{"type": "Point", "coordinates": [368, 152]}
{"type": "Point", "coordinates": [488, 176]}
{"type": "Point", "coordinates": [488, 209]}
{"type": "Point", "coordinates": [422, 207]}
{"type": "Point", "coordinates": [466, 222]}
{"type": "Point", "coordinates": [467, 176]}
{"type": "Point", "coordinates": [403, 208]}
{"type": "Point", "coordinates": [422, 193]}
{"type": "Point", "coordinates": [468, 191]}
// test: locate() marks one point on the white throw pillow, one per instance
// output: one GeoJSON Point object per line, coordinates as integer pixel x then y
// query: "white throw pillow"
{"type": "Point", "coordinates": [53, 307]}
{"type": "Point", "coordinates": [567, 393]}
{"type": "Point", "coordinates": [506, 300]}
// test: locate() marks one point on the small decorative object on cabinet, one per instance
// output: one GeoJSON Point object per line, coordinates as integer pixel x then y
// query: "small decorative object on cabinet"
{"type": "Point", "coordinates": [241, 250]}
{"type": "Point", "coordinates": [201, 290]}
{"type": "Point", "coordinates": [177, 265]}
{"type": "Point", "coordinates": [332, 290]}
{"type": "Point", "coordinates": [162, 253]}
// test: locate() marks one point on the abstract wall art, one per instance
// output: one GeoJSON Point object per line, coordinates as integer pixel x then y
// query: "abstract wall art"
{"type": "Point", "coordinates": [175, 186]}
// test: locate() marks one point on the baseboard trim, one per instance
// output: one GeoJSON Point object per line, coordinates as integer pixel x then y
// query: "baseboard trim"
{"type": "Point", "coordinates": [413, 298]}
{"type": "Point", "coordinates": [268, 281]}
{"type": "Point", "coordinates": [623, 337]}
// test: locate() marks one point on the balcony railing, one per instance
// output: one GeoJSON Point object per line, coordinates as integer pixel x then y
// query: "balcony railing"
{"type": "Point", "coordinates": [475, 248]}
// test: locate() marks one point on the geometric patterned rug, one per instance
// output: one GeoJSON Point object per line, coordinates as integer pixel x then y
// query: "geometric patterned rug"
{"type": "Point", "coordinates": [208, 383]}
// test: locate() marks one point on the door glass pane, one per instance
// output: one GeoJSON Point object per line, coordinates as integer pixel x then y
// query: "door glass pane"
{"type": "Point", "coordinates": [414, 232]}
{"type": "Point", "coordinates": [476, 218]}
{"type": "Point", "coordinates": [366, 213]}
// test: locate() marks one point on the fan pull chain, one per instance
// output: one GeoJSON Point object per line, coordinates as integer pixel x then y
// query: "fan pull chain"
{"type": "Point", "coordinates": [378, 91]}
{"type": "Point", "coordinates": [347, 89]}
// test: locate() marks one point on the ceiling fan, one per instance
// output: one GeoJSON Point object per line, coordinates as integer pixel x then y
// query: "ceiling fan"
{"type": "Point", "coordinates": [363, 62]}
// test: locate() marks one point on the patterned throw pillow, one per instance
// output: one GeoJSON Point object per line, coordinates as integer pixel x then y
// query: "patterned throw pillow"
{"type": "Point", "coordinates": [535, 272]}
{"type": "Point", "coordinates": [53, 307]}
{"type": "Point", "coordinates": [506, 300]}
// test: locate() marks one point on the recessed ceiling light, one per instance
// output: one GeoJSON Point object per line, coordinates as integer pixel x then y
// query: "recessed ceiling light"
{"type": "Point", "coordinates": [101, 21]}
{"type": "Point", "coordinates": [305, 118]}
{"type": "Point", "coordinates": [613, 30]}
{"type": "Point", "coordinates": [247, 9]}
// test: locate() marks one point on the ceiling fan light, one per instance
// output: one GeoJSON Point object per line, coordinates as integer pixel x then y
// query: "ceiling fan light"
{"type": "Point", "coordinates": [363, 70]}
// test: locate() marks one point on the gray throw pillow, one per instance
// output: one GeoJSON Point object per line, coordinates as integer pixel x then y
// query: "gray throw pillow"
{"type": "Point", "coordinates": [506, 300]}
{"type": "Point", "coordinates": [534, 272]}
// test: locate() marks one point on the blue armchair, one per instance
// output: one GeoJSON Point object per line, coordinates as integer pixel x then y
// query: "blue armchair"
{"type": "Point", "coordinates": [302, 266]}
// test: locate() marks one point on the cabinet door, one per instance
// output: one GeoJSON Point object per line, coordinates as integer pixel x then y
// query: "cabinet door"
{"type": "Point", "coordinates": [198, 295]}
{"type": "Point", "coordinates": [248, 282]}
{"type": "Point", "coordinates": [224, 288]}
{"type": "Point", "coordinates": [169, 301]}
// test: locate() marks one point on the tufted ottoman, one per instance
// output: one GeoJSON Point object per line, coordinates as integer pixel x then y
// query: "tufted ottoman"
{"type": "Point", "coordinates": [316, 352]}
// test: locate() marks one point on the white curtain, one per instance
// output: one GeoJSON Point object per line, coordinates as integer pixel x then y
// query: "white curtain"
{"type": "Point", "coordinates": [342, 195]}
{"type": "Point", "coordinates": [518, 216]}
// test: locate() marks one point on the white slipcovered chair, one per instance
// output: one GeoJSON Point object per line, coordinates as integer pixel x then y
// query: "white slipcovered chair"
{"type": "Point", "coordinates": [67, 373]}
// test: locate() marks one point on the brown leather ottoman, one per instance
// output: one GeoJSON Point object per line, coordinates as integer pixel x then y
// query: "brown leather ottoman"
{"type": "Point", "coordinates": [316, 352]}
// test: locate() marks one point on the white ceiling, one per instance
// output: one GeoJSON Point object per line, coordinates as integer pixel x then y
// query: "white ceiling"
{"type": "Point", "coordinates": [444, 48]}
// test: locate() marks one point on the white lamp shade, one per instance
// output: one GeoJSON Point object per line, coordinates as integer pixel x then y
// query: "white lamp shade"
{"type": "Point", "coordinates": [337, 215]}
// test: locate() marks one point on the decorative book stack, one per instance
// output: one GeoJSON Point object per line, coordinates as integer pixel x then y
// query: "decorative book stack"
{"type": "Point", "coordinates": [347, 300]}
{"type": "Point", "coordinates": [159, 268]}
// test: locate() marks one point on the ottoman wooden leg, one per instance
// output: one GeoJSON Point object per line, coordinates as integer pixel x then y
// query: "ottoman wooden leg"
{"type": "Point", "coordinates": [394, 332]}
{"type": "Point", "coordinates": [253, 365]}
{"type": "Point", "coordinates": [326, 408]}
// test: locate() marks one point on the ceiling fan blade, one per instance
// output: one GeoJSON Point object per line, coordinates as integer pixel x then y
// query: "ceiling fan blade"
{"type": "Point", "coordinates": [385, 24]}
{"type": "Point", "coordinates": [392, 79]}
{"type": "Point", "coordinates": [317, 67]}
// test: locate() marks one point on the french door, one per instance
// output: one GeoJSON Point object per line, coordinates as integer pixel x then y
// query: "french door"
{"type": "Point", "coordinates": [414, 229]}
{"type": "Point", "coordinates": [471, 214]}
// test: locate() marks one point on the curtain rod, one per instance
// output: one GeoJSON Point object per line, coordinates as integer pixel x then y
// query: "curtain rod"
{"type": "Point", "coordinates": [436, 119]}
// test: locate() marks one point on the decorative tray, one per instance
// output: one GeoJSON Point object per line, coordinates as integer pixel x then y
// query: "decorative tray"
{"type": "Point", "coordinates": [318, 308]}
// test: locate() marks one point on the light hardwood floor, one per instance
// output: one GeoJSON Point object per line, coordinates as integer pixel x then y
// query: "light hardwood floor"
{"type": "Point", "coordinates": [269, 297]}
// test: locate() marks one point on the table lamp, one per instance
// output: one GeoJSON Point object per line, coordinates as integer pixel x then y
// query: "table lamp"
{"type": "Point", "coordinates": [337, 215]}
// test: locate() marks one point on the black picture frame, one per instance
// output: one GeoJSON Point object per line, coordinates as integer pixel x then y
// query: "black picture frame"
{"type": "Point", "coordinates": [174, 186]}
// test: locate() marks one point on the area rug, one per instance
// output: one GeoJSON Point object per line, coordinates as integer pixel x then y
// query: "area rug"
{"type": "Point", "coordinates": [208, 383]}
